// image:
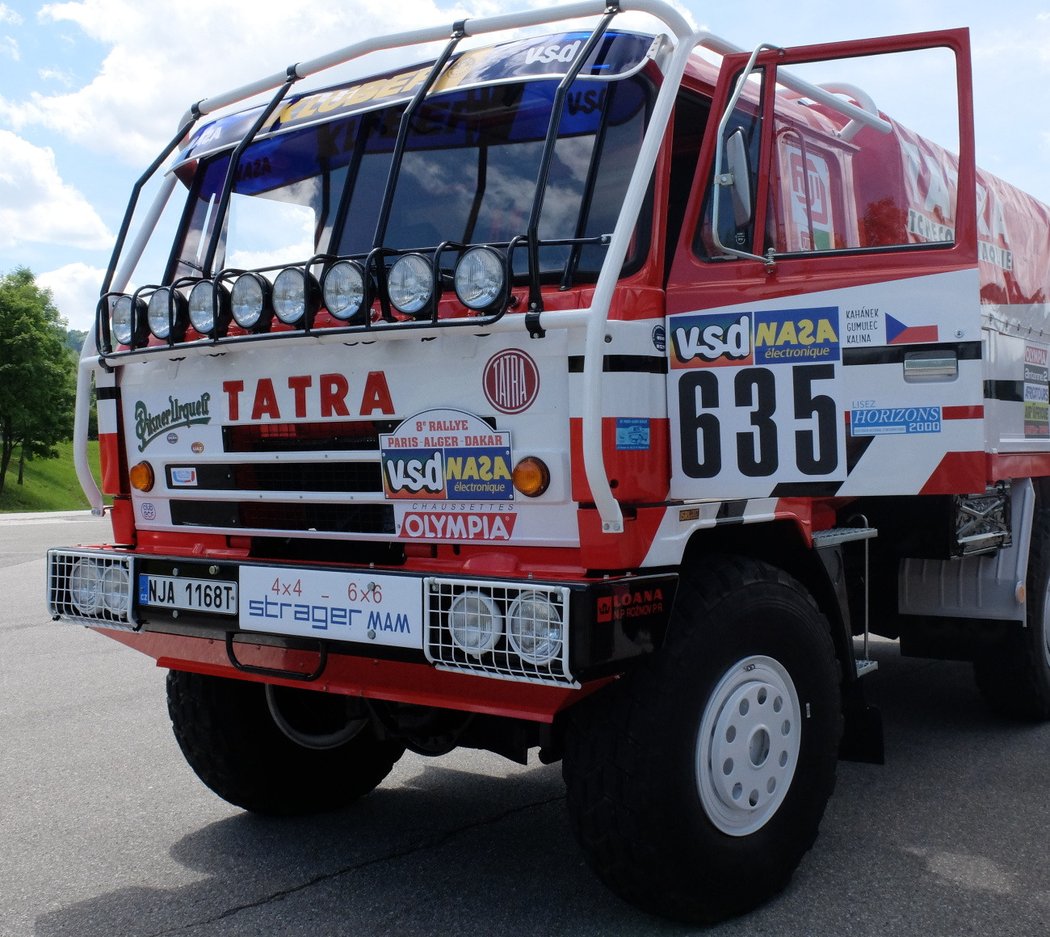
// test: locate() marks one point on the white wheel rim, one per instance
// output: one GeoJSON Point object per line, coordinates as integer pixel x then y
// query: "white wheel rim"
{"type": "Point", "coordinates": [316, 741]}
{"type": "Point", "coordinates": [748, 745]}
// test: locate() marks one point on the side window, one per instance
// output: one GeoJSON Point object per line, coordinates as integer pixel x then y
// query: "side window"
{"type": "Point", "coordinates": [690, 121]}
{"type": "Point", "coordinates": [741, 140]}
{"type": "Point", "coordinates": [882, 175]}
{"type": "Point", "coordinates": [854, 159]}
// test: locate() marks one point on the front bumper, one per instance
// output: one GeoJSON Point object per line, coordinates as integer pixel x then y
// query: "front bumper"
{"type": "Point", "coordinates": [557, 634]}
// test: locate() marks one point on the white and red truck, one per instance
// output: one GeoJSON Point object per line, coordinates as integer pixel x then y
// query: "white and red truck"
{"type": "Point", "coordinates": [595, 392]}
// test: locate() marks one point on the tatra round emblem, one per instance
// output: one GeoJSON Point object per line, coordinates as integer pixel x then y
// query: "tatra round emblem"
{"type": "Point", "coordinates": [511, 381]}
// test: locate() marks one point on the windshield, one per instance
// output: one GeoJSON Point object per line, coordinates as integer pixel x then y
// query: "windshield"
{"type": "Point", "coordinates": [468, 175]}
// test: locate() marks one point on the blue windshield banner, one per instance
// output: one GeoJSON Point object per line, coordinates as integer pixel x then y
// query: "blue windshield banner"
{"type": "Point", "coordinates": [615, 55]}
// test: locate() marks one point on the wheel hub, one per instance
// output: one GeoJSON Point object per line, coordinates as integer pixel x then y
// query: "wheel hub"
{"type": "Point", "coordinates": [748, 745]}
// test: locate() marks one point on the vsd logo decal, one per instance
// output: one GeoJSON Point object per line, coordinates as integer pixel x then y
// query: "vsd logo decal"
{"type": "Point", "coordinates": [711, 340]}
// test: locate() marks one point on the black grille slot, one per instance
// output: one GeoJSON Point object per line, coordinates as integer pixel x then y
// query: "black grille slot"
{"type": "Point", "coordinates": [353, 436]}
{"type": "Point", "coordinates": [323, 518]}
{"type": "Point", "coordinates": [287, 476]}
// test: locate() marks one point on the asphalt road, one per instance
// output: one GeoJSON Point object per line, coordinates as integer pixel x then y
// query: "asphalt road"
{"type": "Point", "coordinates": [105, 832]}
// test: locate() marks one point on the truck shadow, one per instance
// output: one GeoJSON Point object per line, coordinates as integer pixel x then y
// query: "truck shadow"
{"type": "Point", "coordinates": [942, 840]}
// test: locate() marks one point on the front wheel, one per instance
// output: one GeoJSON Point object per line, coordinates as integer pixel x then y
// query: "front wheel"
{"type": "Point", "coordinates": [276, 750]}
{"type": "Point", "coordinates": [696, 784]}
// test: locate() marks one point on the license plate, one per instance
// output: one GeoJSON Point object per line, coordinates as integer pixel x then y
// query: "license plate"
{"type": "Point", "coordinates": [368, 608]}
{"type": "Point", "coordinates": [191, 595]}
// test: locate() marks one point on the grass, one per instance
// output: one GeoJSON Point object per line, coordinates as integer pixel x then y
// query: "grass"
{"type": "Point", "coordinates": [48, 485]}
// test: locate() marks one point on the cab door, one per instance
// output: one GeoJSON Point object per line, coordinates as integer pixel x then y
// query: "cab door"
{"type": "Point", "coordinates": [823, 329]}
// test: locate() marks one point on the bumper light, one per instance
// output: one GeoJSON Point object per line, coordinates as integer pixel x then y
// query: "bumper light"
{"type": "Point", "coordinates": [115, 592]}
{"type": "Point", "coordinates": [507, 630]}
{"type": "Point", "coordinates": [534, 628]}
{"type": "Point", "coordinates": [410, 284]}
{"type": "Point", "coordinates": [479, 280]}
{"type": "Point", "coordinates": [85, 581]}
{"type": "Point", "coordinates": [475, 623]}
{"type": "Point", "coordinates": [90, 588]}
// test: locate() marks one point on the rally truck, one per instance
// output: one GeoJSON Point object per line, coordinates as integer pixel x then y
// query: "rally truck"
{"type": "Point", "coordinates": [586, 388]}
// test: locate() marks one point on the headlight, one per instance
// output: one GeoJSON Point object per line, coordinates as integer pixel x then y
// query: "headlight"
{"type": "Point", "coordinates": [344, 290]}
{"type": "Point", "coordinates": [410, 284]}
{"type": "Point", "coordinates": [85, 578]}
{"type": "Point", "coordinates": [124, 325]}
{"type": "Point", "coordinates": [294, 296]}
{"type": "Point", "coordinates": [208, 316]}
{"type": "Point", "coordinates": [249, 300]}
{"type": "Point", "coordinates": [534, 628]}
{"type": "Point", "coordinates": [479, 278]}
{"type": "Point", "coordinates": [161, 303]}
{"type": "Point", "coordinates": [114, 588]}
{"type": "Point", "coordinates": [475, 622]}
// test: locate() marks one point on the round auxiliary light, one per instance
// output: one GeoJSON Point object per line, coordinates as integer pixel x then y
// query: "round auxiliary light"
{"type": "Point", "coordinates": [122, 324]}
{"type": "Point", "coordinates": [475, 622]}
{"type": "Point", "coordinates": [531, 476]}
{"type": "Point", "coordinates": [294, 296]}
{"type": "Point", "coordinates": [248, 300]}
{"type": "Point", "coordinates": [157, 313]}
{"type": "Point", "coordinates": [206, 315]}
{"type": "Point", "coordinates": [344, 290]}
{"type": "Point", "coordinates": [534, 628]}
{"type": "Point", "coordinates": [410, 284]}
{"type": "Point", "coordinates": [480, 279]}
{"type": "Point", "coordinates": [114, 590]}
{"type": "Point", "coordinates": [85, 579]}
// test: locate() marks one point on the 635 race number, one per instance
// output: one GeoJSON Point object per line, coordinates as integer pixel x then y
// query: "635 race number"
{"type": "Point", "coordinates": [759, 423]}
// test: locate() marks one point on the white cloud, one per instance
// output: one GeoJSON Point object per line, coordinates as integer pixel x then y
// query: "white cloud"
{"type": "Point", "coordinates": [36, 205]}
{"type": "Point", "coordinates": [167, 54]}
{"type": "Point", "coordinates": [61, 75]}
{"type": "Point", "coordinates": [74, 290]}
{"type": "Point", "coordinates": [9, 48]}
{"type": "Point", "coordinates": [7, 15]}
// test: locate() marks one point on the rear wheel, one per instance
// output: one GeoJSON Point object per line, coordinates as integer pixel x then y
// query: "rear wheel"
{"type": "Point", "coordinates": [1014, 678]}
{"type": "Point", "coordinates": [696, 785]}
{"type": "Point", "coordinates": [276, 750]}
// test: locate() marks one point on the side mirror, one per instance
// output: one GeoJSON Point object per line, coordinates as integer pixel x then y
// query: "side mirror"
{"type": "Point", "coordinates": [740, 170]}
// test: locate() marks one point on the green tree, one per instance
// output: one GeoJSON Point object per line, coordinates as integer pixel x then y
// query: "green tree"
{"type": "Point", "coordinates": [37, 372]}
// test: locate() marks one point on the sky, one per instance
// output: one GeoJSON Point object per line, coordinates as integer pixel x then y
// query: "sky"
{"type": "Point", "coordinates": [91, 90]}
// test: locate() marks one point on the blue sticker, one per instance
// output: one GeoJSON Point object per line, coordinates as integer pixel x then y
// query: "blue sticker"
{"type": "Point", "coordinates": [632, 433]}
{"type": "Point", "coordinates": [893, 421]}
{"type": "Point", "coordinates": [660, 338]}
{"type": "Point", "coordinates": [797, 336]}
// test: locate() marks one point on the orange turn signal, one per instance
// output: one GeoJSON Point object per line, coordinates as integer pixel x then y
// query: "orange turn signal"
{"type": "Point", "coordinates": [141, 476]}
{"type": "Point", "coordinates": [531, 477]}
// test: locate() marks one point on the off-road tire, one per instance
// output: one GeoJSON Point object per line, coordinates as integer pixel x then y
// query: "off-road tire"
{"type": "Point", "coordinates": [1014, 678]}
{"type": "Point", "coordinates": [230, 740]}
{"type": "Point", "coordinates": [636, 784]}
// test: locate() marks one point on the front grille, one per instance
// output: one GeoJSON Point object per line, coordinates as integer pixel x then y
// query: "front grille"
{"type": "Point", "coordinates": [91, 588]}
{"type": "Point", "coordinates": [346, 436]}
{"type": "Point", "coordinates": [284, 476]}
{"type": "Point", "coordinates": [500, 657]}
{"type": "Point", "coordinates": [269, 515]}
